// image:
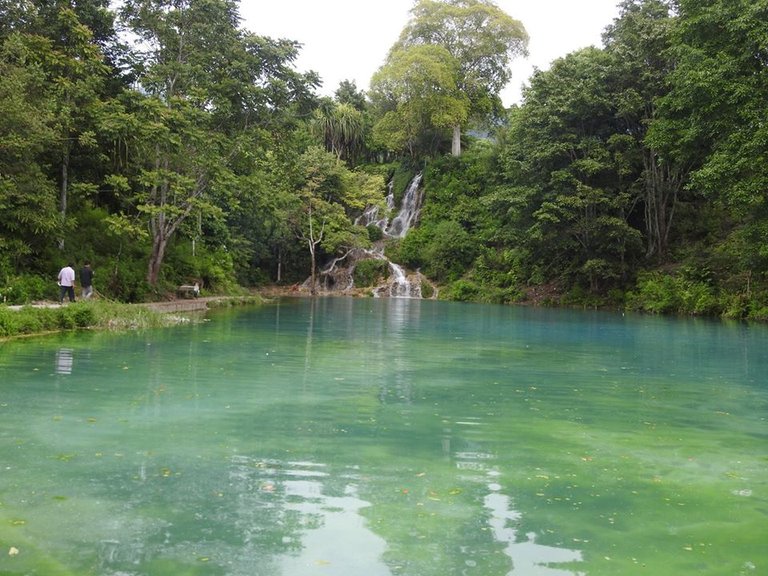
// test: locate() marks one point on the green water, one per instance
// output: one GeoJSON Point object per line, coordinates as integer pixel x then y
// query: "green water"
{"type": "Point", "coordinates": [388, 437]}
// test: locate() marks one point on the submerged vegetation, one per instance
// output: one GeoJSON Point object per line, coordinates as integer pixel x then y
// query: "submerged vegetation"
{"type": "Point", "coordinates": [187, 149]}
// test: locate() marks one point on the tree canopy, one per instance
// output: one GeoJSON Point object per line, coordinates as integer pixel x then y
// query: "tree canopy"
{"type": "Point", "coordinates": [454, 52]}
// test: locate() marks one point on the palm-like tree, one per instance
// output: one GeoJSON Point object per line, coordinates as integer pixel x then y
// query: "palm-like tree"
{"type": "Point", "coordinates": [341, 127]}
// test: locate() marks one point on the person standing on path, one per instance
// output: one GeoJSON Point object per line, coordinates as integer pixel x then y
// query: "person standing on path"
{"type": "Point", "coordinates": [67, 283]}
{"type": "Point", "coordinates": [86, 281]}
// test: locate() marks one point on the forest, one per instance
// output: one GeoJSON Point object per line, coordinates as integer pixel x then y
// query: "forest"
{"type": "Point", "coordinates": [166, 144]}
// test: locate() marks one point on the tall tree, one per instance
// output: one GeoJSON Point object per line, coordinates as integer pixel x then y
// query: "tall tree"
{"type": "Point", "coordinates": [76, 72]}
{"type": "Point", "coordinates": [479, 36]}
{"type": "Point", "coordinates": [640, 42]}
{"type": "Point", "coordinates": [341, 127]}
{"type": "Point", "coordinates": [417, 92]}
{"type": "Point", "coordinates": [563, 161]}
{"type": "Point", "coordinates": [327, 195]}
{"type": "Point", "coordinates": [27, 131]}
{"type": "Point", "coordinates": [347, 93]}
{"type": "Point", "coordinates": [715, 114]}
{"type": "Point", "coordinates": [77, 80]}
{"type": "Point", "coordinates": [206, 83]}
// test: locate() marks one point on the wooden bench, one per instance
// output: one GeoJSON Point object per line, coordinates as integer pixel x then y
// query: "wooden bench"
{"type": "Point", "coordinates": [189, 290]}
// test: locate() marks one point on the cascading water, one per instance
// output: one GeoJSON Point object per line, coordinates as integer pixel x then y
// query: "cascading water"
{"type": "Point", "coordinates": [399, 286]}
{"type": "Point", "coordinates": [409, 210]}
{"type": "Point", "coordinates": [337, 276]}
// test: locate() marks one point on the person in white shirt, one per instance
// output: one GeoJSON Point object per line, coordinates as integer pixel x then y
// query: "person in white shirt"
{"type": "Point", "coordinates": [67, 283]}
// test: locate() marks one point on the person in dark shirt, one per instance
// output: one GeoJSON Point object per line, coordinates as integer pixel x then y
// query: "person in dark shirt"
{"type": "Point", "coordinates": [86, 280]}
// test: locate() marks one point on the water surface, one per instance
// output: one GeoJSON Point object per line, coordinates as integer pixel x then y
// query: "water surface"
{"type": "Point", "coordinates": [388, 437]}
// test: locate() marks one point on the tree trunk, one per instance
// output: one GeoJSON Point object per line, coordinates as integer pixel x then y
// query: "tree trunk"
{"type": "Point", "coordinates": [63, 193]}
{"type": "Point", "coordinates": [662, 184]}
{"type": "Point", "coordinates": [456, 142]}
{"type": "Point", "coordinates": [313, 268]}
{"type": "Point", "coordinates": [159, 243]}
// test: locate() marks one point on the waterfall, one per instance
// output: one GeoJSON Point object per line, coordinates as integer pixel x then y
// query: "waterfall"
{"type": "Point", "coordinates": [399, 286]}
{"type": "Point", "coordinates": [337, 275]}
{"type": "Point", "coordinates": [409, 210]}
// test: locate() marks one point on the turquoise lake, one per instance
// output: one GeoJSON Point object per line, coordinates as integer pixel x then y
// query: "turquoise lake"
{"type": "Point", "coordinates": [386, 437]}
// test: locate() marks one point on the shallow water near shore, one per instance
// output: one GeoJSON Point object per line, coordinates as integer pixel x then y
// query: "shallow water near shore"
{"type": "Point", "coordinates": [388, 437]}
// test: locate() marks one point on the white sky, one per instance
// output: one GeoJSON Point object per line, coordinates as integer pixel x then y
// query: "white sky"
{"type": "Point", "coordinates": [349, 39]}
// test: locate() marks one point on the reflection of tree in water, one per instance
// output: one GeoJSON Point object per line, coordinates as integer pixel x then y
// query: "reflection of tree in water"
{"type": "Point", "coordinates": [251, 517]}
{"type": "Point", "coordinates": [528, 557]}
{"type": "Point", "coordinates": [217, 516]}
{"type": "Point", "coordinates": [383, 501]}
{"type": "Point", "coordinates": [446, 513]}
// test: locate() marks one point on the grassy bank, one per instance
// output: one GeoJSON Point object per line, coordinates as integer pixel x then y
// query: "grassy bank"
{"type": "Point", "coordinates": [98, 315]}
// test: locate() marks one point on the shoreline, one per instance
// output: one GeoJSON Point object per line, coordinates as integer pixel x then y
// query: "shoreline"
{"type": "Point", "coordinates": [46, 318]}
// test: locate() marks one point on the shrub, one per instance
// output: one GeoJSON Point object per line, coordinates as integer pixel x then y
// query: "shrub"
{"type": "Point", "coordinates": [374, 233]}
{"type": "Point", "coordinates": [66, 318]}
{"type": "Point", "coordinates": [25, 289]}
{"type": "Point", "coordinates": [83, 315]}
{"type": "Point", "coordinates": [370, 272]}
{"type": "Point", "coordinates": [463, 291]}
{"type": "Point", "coordinates": [427, 290]}
{"type": "Point", "coordinates": [8, 319]}
{"type": "Point", "coordinates": [449, 252]}
{"type": "Point", "coordinates": [667, 294]}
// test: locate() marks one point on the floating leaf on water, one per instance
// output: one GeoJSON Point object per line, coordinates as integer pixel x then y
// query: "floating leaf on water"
{"type": "Point", "coordinates": [18, 522]}
{"type": "Point", "coordinates": [13, 551]}
{"type": "Point", "coordinates": [454, 491]}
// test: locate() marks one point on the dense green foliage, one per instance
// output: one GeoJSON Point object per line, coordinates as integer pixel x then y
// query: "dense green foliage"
{"type": "Point", "coordinates": [189, 149]}
{"type": "Point", "coordinates": [449, 64]}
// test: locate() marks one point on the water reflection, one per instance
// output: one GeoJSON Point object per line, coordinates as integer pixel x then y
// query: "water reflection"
{"type": "Point", "coordinates": [339, 538]}
{"type": "Point", "coordinates": [320, 513]}
{"type": "Point", "coordinates": [64, 361]}
{"type": "Point", "coordinates": [401, 439]}
{"type": "Point", "coordinates": [317, 512]}
{"type": "Point", "coordinates": [528, 557]}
